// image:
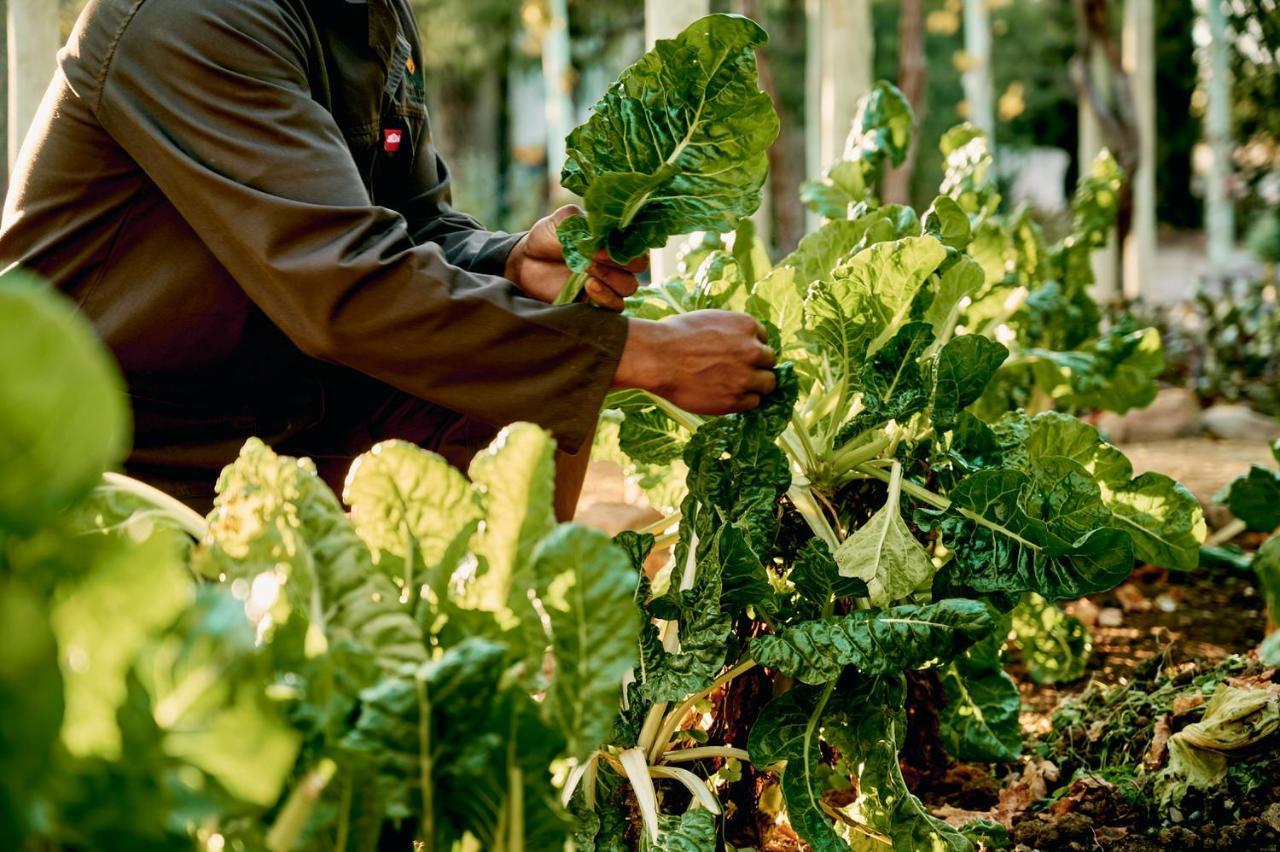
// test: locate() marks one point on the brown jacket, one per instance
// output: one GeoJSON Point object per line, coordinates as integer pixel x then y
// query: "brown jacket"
{"type": "Point", "coordinates": [218, 184]}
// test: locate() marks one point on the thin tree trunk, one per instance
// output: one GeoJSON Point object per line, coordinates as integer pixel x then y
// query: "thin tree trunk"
{"type": "Point", "coordinates": [557, 75]}
{"type": "Point", "coordinates": [913, 76]}
{"type": "Point", "coordinates": [32, 56]}
{"type": "Point", "coordinates": [1219, 212]}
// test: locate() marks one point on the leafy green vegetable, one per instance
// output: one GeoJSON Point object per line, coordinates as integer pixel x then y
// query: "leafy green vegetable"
{"type": "Point", "coordinates": [693, 127]}
{"type": "Point", "coordinates": [57, 436]}
{"type": "Point", "coordinates": [1055, 646]}
{"type": "Point", "coordinates": [875, 641]}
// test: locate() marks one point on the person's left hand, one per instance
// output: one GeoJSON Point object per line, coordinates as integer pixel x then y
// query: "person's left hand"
{"type": "Point", "coordinates": [537, 267]}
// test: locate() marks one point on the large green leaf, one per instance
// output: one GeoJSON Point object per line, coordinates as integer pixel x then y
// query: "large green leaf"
{"type": "Point", "coordinates": [875, 641]}
{"type": "Point", "coordinates": [789, 729]}
{"type": "Point", "coordinates": [676, 145]}
{"type": "Point", "coordinates": [63, 416]}
{"type": "Point", "coordinates": [275, 519]}
{"type": "Point", "coordinates": [414, 510]}
{"type": "Point", "coordinates": [1046, 531]}
{"type": "Point", "coordinates": [585, 585]}
{"type": "Point", "coordinates": [881, 134]}
{"type": "Point", "coordinates": [964, 368]}
{"type": "Point", "coordinates": [948, 222]}
{"type": "Point", "coordinates": [103, 620]}
{"type": "Point", "coordinates": [897, 381]}
{"type": "Point", "coordinates": [692, 831]}
{"type": "Point", "coordinates": [885, 555]}
{"type": "Point", "coordinates": [208, 686]}
{"type": "Point", "coordinates": [817, 577]}
{"type": "Point", "coordinates": [1055, 646]}
{"type": "Point", "coordinates": [1163, 517]}
{"type": "Point", "coordinates": [980, 719]}
{"type": "Point", "coordinates": [882, 281]}
{"type": "Point", "coordinates": [867, 724]}
{"type": "Point", "coordinates": [1266, 565]}
{"type": "Point", "coordinates": [31, 692]}
{"type": "Point", "coordinates": [515, 478]}
{"type": "Point", "coordinates": [961, 278]}
{"type": "Point", "coordinates": [1254, 498]}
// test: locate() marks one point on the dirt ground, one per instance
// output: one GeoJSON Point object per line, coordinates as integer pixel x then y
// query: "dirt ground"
{"type": "Point", "coordinates": [1157, 621]}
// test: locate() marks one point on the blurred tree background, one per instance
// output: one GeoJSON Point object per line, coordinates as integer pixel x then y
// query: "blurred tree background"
{"type": "Point", "coordinates": [488, 100]}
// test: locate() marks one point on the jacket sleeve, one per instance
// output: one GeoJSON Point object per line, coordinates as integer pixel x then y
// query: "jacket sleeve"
{"type": "Point", "coordinates": [213, 101]}
{"type": "Point", "coordinates": [431, 218]}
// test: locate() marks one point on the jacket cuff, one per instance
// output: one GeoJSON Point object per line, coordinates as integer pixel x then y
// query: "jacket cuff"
{"type": "Point", "coordinates": [573, 418]}
{"type": "Point", "coordinates": [490, 256]}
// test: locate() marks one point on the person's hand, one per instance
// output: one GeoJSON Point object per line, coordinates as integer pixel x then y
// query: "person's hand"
{"type": "Point", "coordinates": [536, 265]}
{"type": "Point", "coordinates": [706, 362]}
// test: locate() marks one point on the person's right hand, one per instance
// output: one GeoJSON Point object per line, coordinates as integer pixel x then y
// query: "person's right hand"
{"type": "Point", "coordinates": [706, 362]}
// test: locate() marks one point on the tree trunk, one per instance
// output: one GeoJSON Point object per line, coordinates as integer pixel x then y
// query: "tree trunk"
{"type": "Point", "coordinates": [977, 75]}
{"type": "Point", "coordinates": [1140, 63]}
{"type": "Point", "coordinates": [838, 70]}
{"type": "Point", "coordinates": [32, 57]}
{"type": "Point", "coordinates": [557, 75]}
{"type": "Point", "coordinates": [1219, 212]}
{"type": "Point", "coordinates": [913, 76]}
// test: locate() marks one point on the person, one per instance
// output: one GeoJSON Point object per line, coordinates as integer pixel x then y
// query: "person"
{"type": "Point", "coordinates": [244, 197]}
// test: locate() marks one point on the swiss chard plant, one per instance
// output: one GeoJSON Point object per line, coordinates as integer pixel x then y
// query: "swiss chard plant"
{"type": "Point", "coordinates": [888, 510]}
{"type": "Point", "coordinates": [290, 674]}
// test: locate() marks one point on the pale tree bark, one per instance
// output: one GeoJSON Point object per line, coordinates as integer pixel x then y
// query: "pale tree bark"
{"type": "Point", "coordinates": [557, 73]}
{"type": "Point", "coordinates": [838, 72]}
{"type": "Point", "coordinates": [665, 19]}
{"type": "Point", "coordinates": [978, 92]}
{"type": "Point", "coordinates": [1106, 121]}
{"type": "Point", "coordinates": [913, 77]}
{"type": "Point", "coordinates": [1140, 64]}
{"type": "Point", "coordinates": [1219, 209]}
{"type": "Point", "coordinates": [33, 49]}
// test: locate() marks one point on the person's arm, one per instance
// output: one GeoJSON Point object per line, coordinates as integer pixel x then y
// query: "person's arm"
{"type": "Point", "coordinates": [214, 102]}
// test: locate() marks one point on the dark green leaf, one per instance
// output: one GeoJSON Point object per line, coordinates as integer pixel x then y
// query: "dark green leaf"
{"type": "Point", "coordinates": [694, 127]}
{"type": "Point", "coordinates": [875, 641]}
{"type": "Point", "coordinates": [965, 367]}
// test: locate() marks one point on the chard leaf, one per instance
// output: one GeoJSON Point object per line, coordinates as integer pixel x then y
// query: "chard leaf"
{"type": "Point", "coordinates": [649, 436]}
{"type": "Point", "coordinates": [878, 285]}
{"type": "Point", "coordinates": [56, 436]}
{"type": "Point", "coordinates": [515, 478]}
{"type": "Point", "coordinates": [819, 253]}
{"type": "Point", "coordinates": [1254, 499]}
{"type": "Point", "coordinates": [778, 299]}
{"type": "Point", "coordinates": [885, 555]}
{"type": "Point", "coordinates": [1161, 516]}
{"type": "Point", "coordinates": [31, 692]}
{"type": "Point", "coordinates": [896, 382]}
{"type": "Point", "coordinates": [694, 128]}
{"type": "Point", "coordinates": [881, 134]}
{"type": "Point", "coordinates": [414, 510]}
{"type": "Point", "coordinates": [207, 683]}
{"type": "Point", "coordinates": [692, 831]}
{"type": "Point", "coordinates": [585, 584]}
{"type": "Point", "coordinates": [1045, 532]}
{"type": "Point", "coordinates": [103, 620]}
{"type": "Point", "coordinates": [1266, 565]}
{"type": "Point", "coordinates": [980, 719]}
{"type": "Point", "coordinates": [1056, 647]}
{"type": "Point", "coordinates": [948, 222]}
{"type": "Point", "coordinates": [875, 641]}
{"type": "Point", "coordinates": [817, 577]}
{"type": "Point", "coordinates": [960, 280]}
{"type": "Point", "coordinates": [867, 724]}
{"type": "Point", "coordinates": [788, 729]}
{"type": "Point", "coordinates": [274, 516]}
{"type": "Point", "coordinates": [965, 367]}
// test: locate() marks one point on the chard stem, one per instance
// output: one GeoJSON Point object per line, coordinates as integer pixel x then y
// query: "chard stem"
{"type": "Point", "coordinates": [691, 422]}
{"type": "Point", "coordinates": [572, 289]}
{"type": "Point", "coordinates": [688, 755]}
{"type": "Point", "coordinates": [676, 716]}
{"type": "Point", "coordinates": [187, 519]}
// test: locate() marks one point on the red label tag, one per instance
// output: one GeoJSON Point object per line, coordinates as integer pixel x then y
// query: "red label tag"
{"type": "Point", "coordinates": [391, 138]}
